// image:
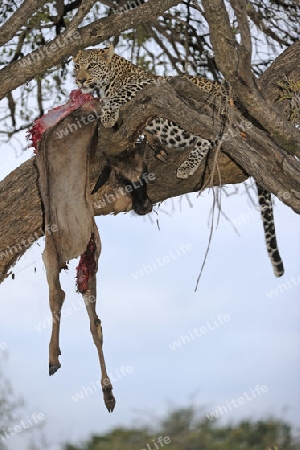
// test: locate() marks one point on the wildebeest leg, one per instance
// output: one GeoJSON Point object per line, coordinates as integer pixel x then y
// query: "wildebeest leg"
{"type": "Point", "coordinates": [86, 283]}
{"type": "Point", "coordinates": [96, 331]}
{"type": "Point", "coordinates": [56, 298]}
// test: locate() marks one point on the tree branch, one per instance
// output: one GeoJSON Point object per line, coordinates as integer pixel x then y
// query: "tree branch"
{"type": "Point", "coordinates": [179, 100]}
{"type": "Point", "coordinates": [251, 148]}
{"type": "Point", "coordinates": [245, 47]}
{"type": "Point", "coordinates": [83, 9]}
{"type": "Point", "coordinates": [18, 19]}
{"type": "Point", "coordinates": [258, 21]}
{"type": "Point", "coordinates": [228, 57]}
{"type": "Point", "coordinates": [68, 43]}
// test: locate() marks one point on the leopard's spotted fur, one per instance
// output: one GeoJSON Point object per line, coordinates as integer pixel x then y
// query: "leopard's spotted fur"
{"type": "Point", "coordinates": [120, 80]}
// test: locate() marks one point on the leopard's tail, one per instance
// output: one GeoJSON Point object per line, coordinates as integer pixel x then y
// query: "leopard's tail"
{"type": "Point", "coordinates": [266, 210]}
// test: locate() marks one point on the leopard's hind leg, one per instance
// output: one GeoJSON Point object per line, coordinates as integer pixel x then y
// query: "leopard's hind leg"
{"type": "Point", "coordinates": [196, 156]}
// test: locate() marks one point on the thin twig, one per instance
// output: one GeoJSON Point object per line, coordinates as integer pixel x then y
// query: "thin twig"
{"type": "Point", "coordinates": [209, 242]}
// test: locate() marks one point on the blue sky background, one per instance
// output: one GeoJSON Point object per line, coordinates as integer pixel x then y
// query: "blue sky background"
{"type": "Point", "coordinates": [141, 318]}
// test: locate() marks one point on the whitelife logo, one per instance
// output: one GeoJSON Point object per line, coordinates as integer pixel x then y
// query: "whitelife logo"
{"type": "Point", "coordinates": [24, 425]}
{"type": "Point", "coordinates": [163, 260]}
{"type": "Point", "coordinates": [239, 401]}
{"type": "Point", "coordinates": [198, 332]}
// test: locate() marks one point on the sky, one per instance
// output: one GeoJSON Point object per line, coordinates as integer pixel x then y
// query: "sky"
{"type": "Point", "coordinates": [242, 361]}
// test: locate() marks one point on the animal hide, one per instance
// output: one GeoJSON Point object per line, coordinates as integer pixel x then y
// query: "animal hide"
{"type": "Point", "coordinates": [63, 163]}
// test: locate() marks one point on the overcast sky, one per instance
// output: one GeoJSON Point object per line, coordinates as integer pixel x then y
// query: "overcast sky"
{"type": "Point", "coordinates": [147, 317]}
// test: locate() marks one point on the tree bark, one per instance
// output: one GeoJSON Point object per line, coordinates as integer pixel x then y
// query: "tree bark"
{"type": "Point", "coordinates": [18, 18]}
{"type": "Point", "coordinates": [235, 66]}
{"type": "Point", "coordinates": [246, 150]}
{"type": "Point", "coordinates": [70, 41]}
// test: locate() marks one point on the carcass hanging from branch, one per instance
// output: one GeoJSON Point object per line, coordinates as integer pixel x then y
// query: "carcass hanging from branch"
{"type": "Point", "coordinates": [63, 162]}
{"type": "Point", "coordinates": [65, 139]}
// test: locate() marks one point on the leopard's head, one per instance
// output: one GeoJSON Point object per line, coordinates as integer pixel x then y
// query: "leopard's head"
{"type": "Point", "coordinates": [92, 68]}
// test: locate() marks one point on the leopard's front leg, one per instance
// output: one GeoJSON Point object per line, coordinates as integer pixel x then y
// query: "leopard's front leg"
{"type": "Point", "coordinates": [111, 109]}
{"type": "Point", "coordinates": [110, 114]}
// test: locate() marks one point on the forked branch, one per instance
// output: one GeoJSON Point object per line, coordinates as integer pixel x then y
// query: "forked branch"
{"type": "Point", "coordinates": [251, 151]}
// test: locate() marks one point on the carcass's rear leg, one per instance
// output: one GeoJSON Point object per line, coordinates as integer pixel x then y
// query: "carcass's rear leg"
{"type": "Point", "coordinates": [96, 331]}
{"type": "Point", "coordinates": [86, 283]}
{"type": "Point", "coordinates": [56, 298]}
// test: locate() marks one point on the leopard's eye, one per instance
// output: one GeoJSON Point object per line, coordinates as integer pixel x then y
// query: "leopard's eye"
{"type": "Point", "coordinates": [76, 66]}
{"type": "Point", "coordinates": [91, 65]}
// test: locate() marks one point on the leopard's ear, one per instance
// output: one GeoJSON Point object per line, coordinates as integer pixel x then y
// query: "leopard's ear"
{"type": "Point", "coordinates": [75, 57]}
{"type": "Point", "coordinates": [108, 53]}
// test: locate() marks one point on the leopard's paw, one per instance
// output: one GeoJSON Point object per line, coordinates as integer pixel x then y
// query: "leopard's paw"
{"type": "Point", "coordinates": [109, 118]}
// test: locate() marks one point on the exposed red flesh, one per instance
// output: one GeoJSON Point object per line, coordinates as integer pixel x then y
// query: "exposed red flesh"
{"type": "Point", "coordinates": [39, 126]}
{"type": "Point", "coordinates": [87, 266]}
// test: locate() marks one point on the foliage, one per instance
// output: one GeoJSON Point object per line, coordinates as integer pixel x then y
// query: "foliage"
{"type": "Point", "coordinates": [10, 405]}
{"type": "Point", "coordinates": [188, 431]}
{"type": "Point", "coordinates": [291, 91]}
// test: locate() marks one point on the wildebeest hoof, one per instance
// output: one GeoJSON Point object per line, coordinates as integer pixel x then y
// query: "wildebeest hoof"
{"type": "Point", "coordinates": [109, 399]}
{"type": "Point", "coordinates": [53, 368]}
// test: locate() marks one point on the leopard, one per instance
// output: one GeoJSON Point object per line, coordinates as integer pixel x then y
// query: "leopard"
{"type": "Point", "coordinates": [119, 81]}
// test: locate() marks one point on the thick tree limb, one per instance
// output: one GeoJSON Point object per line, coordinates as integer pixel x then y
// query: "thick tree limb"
{"type": "Point", "coordinates": [245, 47]}
{"type": "Point", "coordinates": [19, 18]}
{"type": "Point", "coordinates": [69, 42]}
{"type": "Point", "coordinates": [234, 69]}
{"type": "Point", "coordinates": [251, 148]}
